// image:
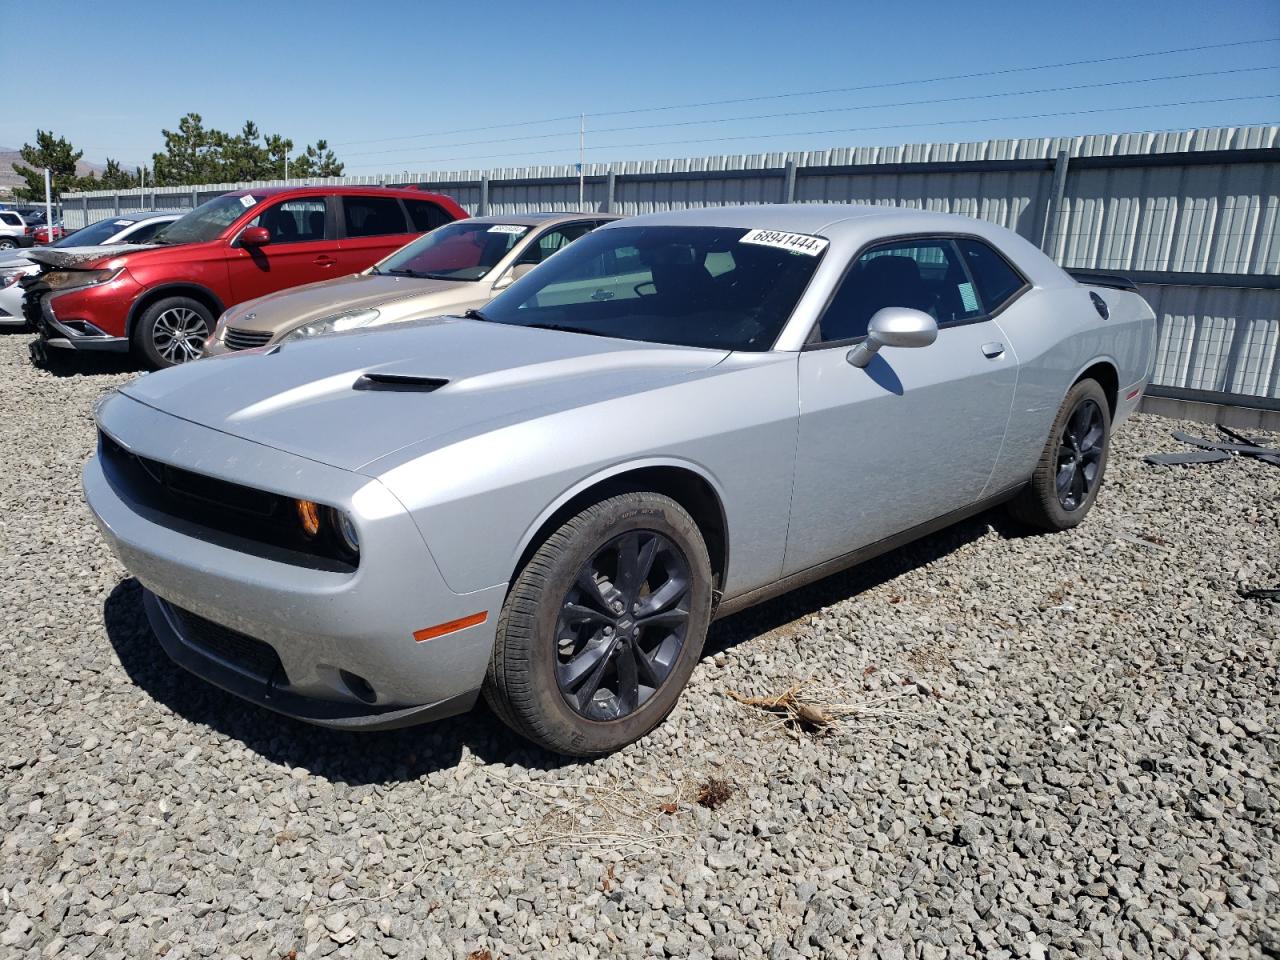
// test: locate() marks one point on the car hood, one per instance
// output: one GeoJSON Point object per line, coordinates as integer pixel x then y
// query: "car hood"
{"type": "Point", "coordinates": [350, 399]}
{"type": "Point", "coordinates": [83, 256]}
{"type": "Point", "coordinates": [295, 306]}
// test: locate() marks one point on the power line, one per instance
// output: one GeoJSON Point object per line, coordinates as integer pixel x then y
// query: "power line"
{"type": "Point", "coordinates": [890, 126]}
{"type": "Point", "coordinates": [813, 93]}
{"type": "Point", "coordinates": [825, 110]}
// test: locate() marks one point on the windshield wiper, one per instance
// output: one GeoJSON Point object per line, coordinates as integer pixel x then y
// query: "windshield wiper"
{"type": "Point", "coordinates": [564, 328]}
{"type": "Point", "coordinates": [474, 314]}
{"type": "Point", "coordinates": [402, 272]}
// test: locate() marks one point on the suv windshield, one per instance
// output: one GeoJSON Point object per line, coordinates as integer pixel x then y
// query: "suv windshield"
{"type": "Point", "coordinates": [692, 286]}
{"type": "Point", "coordinates": [206, 222]}
{"type": "Point", "coordinates": [94, 234]}
{"type": "Point", "coordinates": [465, 250]}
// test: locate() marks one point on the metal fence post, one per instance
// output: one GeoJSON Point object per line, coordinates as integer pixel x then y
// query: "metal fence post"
{"type": "Point", "coordinates": [84, 211]}
{"type": "Point", "coordinates": [117, 203]}
{"type": "Point", "coordinates": [195, 199]}
{"type": "Point", "coordinates": [610, 191]}
{"type": "Point", "coordinates": [1056, 192]}
{"type": "Point", "coordinates": [484, 195]}
{"type": "Point", "coordinates": [789, 182]}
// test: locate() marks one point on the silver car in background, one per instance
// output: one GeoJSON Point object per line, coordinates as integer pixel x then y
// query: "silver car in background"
{"type": "Point", "coordinates": [549, 500]}
{"type": "Point", "coordinates": [131, 228]}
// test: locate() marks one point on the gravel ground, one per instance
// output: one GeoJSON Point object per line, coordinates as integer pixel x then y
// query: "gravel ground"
{"type": "Point", "coordinates": [1045, 746]}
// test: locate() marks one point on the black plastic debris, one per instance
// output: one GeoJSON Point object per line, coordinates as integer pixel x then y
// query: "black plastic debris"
{"type": "Point", "coordinates": [1215, 451]}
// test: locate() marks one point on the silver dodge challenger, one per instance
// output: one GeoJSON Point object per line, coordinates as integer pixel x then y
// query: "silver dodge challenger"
{"type": "Point", "coordinates": [549, 500]}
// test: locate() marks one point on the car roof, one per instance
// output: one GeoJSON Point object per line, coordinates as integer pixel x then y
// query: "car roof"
{"type": "Point", "coordinates": [331, 189]}
{"type": "Point", "coordinates": [805, 217]}
{"type": "Point", "coordinates": [539, 219]}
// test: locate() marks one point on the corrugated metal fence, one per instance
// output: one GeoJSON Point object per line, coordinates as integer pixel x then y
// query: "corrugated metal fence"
{"type": "Point", "coordinates": [1192, 216]}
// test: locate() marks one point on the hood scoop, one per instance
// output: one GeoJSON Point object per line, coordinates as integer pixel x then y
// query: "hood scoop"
{"type": "Point", "coordinates": [398, 383]}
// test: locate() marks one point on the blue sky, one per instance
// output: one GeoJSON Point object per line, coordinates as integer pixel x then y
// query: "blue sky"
{"type": "Point", "coordinates": [360, 74]}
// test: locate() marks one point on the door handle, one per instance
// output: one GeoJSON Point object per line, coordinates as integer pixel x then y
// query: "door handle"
{"type": "Point", "coordinates": [324, 261]}
{"type": "Point", "coordinates": [993, 349]}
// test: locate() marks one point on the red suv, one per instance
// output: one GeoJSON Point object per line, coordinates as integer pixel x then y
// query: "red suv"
{"type": "Point", "coordinates": [161, 302]}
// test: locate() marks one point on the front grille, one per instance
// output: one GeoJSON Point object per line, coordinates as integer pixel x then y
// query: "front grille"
{"type": "Point", "coordinates": [239, 517]}
{"type": "Point", "coordinates": [237, 339]}
{"type": "Point", "coordinates": [240, 650]}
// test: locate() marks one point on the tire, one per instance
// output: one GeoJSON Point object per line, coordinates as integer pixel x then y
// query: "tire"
{"type": "Point", "coordinates": [7, 243]}
{"type": "Point", "coordinates": [549, 614]}
{"type": "Point", "coordinates": [168, 332]}
{"type": "Point", "coordinates": [1066, 453]}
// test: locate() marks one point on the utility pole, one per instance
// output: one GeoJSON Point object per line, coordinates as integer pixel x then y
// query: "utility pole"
{"type": "Point", "coordinates": [48, 204]}
{"type": "Point", "coordinates": [582, 144]}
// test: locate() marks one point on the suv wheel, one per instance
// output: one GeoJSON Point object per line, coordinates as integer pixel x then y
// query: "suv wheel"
{"type": "Point", "coordinates": [603, 626]}
{"type": "Point", "coordinates": [172, 331]}
{"type": "Point", "coordinates": [8, 243]}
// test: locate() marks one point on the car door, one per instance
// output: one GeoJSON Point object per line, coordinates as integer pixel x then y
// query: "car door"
{"type": "Point", "coordinates": [915, 434]}
{"type": "Point", "coordinates": [373, 227]}
{"type": "Point", "coordinates": [301, 249]}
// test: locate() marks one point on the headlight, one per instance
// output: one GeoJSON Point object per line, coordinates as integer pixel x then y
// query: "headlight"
{"type": "Point", "coordinates": [346, 530]}
{"type": "Point", "coordinates": [334, 324]}
{"type": "Point", "coordinates": [66, 279]}
{"type": "Point", "coordinates": [221, 326]}
{"type": "Point", "coordinates": [7, 280]}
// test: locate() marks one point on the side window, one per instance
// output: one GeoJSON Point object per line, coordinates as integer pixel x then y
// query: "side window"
{"type": "Point", "coordinates": [10, 219]}
{"type": "Point", "coordinates": [373, 216]}
{"type": "Point", "coordinates": [997, 281]}
{"type": "Point", "coordinates": [921, 274]}
{"type": "Point", "coordinates": [294, 221]}
{"type": "Point", "coordinates": [425, 215]}
{"type": "Point", "coordinates": [145, 232]}
{"type": "Point", "coordinates": [554, 240]}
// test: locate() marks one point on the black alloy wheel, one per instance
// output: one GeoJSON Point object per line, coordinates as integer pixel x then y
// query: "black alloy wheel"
{"type": "Point", "coordinates": [622, 625]}
{"type": "Point", "coordinates": [1080, 450]}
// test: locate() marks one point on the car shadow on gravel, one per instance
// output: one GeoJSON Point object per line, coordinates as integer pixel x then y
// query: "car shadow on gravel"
{"type": "Point", "coordinates": [809, 599]}
{"type": "Point", "coordinates": [405, 755]}
{"type": "Point", "coordinates": [353, 758]}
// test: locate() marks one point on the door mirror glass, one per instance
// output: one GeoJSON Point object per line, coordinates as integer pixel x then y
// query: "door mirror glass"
{"type": "Point", "coordinates": [894, 327]}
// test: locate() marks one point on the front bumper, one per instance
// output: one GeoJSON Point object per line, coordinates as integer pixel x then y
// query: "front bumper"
{"type": "Point", "coordinates": [71, 335]}
{"type": "Point", "coordinates": [321, 627]}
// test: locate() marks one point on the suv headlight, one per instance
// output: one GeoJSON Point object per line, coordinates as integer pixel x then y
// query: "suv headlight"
{"type": "Point", "coordinates": [334, 324]}
{"type": "Point", "coordinates": [67, 279]}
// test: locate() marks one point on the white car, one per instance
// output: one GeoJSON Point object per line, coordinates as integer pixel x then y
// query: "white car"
{"type": "Point", "coordinates": [14, 231]}
{"type": "Point", "coordinates": [131, 228]}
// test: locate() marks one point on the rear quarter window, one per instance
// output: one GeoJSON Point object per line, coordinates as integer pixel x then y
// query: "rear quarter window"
{"type": "Point", "coordinates": [425, 215]}
{"type": "Point", "coordinates": [373, 216]}
{"type": "Point", "coordinates": [997, 281]}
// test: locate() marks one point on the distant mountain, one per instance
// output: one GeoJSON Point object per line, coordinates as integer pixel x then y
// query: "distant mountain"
{"type": "Point", "coordinates": [8, 179]}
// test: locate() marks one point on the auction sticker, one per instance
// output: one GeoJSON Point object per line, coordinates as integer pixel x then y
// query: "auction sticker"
{"type": "Point", "coordinates": [804, 243]}
{"type": "Point", "coordinates": [123, 223]}
{"type": "Point", "coordinates": [247, 201]}
{"type": "Point", "coordinates": [507, 228]}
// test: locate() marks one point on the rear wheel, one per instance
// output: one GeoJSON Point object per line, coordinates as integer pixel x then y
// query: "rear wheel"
{"type": "Point", "coordinates": [603, 626]}
{"type": "Point", "coordinates": [8, 243]}
{"type": "Point", "coordinates": [172, 331]}
{"type": "Point", "coordinates": [1067, 478]}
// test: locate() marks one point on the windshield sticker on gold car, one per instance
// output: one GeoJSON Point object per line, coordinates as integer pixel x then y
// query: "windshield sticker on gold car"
{"type": "Point", "coordinates": [507, 228]}
{"type": "Point", "coordinates": [795, 242]}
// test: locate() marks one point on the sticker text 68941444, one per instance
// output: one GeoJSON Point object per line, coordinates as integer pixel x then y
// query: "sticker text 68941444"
{"type": "Point", "coordinates": [795, 242]}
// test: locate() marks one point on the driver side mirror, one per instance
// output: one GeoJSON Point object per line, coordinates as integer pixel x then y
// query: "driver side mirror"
{"type": "Point", "coordinates": [512, 275]}
{"type": "Point", "coordinates": [894, 327]}
{"type": "Point", "coordinates": [255, 236]}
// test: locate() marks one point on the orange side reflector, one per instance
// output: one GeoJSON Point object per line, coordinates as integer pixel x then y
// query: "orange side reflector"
{"type": "Point", "coordinates": [453, 626]}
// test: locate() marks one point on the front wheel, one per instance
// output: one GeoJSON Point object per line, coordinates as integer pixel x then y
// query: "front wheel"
{"type": "Point", "coordinates": [1067, 478]}
{"type": "Point", "coordinates": [603, 626]}
{"type": "Point", "coordinates": [172, 331]}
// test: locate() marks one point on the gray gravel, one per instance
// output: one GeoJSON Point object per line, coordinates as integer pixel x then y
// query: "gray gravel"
{"type": "Point", "coordinates": [1048, 746]}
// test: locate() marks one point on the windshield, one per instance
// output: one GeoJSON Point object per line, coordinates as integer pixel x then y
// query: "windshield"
{"type": "Point", "coordinates": [465, 250]}
{"type": "Point", "coordinates": [94, 234]}
{"type": "Point", "coordinates": [207, 221]}
{"type": "Point", "coordinates": [720, 287]}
